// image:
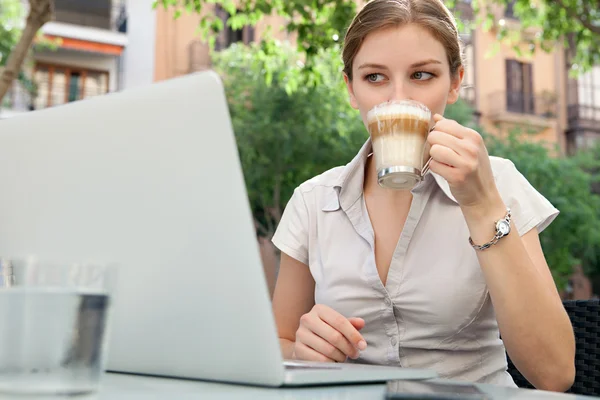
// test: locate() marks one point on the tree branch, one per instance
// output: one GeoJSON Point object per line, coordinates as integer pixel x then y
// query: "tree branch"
{"type": "Point", "coordinates": [277, 199]}
{"type": "Point", "coordinates": [584, 18]}
{"type": "Point", "coordinates": [581, 18]}
{"type": "Point", "coordinates": [268, 214]}
{"type": "Point", "coordinates": [40, 12]}
{"type": "Point", "coordinates": [260, 228]}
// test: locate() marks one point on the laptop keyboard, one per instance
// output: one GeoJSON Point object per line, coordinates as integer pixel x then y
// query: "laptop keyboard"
{"type": "Point", "coordinates": [296, 365]}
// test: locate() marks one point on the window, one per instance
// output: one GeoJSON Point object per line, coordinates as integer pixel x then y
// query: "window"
{"type": "Point", "coordinates": [228, 35]}
{"type": "Point", "coordinates": [519, 87]}
{"type": "Point", "coordinates": [509, 11]}
{"type": "Point", "coordinates": [588, 94]}
{"type": "Point", "coordinates": [589, 88]}
{"type": "Point", "coordinates": [61, 84]}
{"type": "Point", "coordinates": [74, 86]}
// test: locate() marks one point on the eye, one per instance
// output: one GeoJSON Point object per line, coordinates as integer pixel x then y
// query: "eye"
{"type": "Point", "coordinates": [374, 78]}
{"type": "Point", "coordinates": [422, 76]}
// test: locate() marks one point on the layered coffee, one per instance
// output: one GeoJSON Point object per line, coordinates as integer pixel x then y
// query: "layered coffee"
{"type": "Point", "coordinates": [398, 133]}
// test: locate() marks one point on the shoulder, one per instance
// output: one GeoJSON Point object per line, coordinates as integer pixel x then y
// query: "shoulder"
{"type": "Point", "coordinates": [319, 192]}
{"type": "Point", "coordinates": [294, 229]}
{"type": "Point", "coordinates": [328, 179]}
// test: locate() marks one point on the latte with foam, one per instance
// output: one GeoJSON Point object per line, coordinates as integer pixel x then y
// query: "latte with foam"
{"type": "Point", "coordinates": [398, 132]}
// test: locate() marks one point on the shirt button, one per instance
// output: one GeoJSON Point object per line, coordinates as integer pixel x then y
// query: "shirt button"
{"type": "Point", "coordinates": [394, 341]}
{"type": "Point", "coordinates": [388, 302]}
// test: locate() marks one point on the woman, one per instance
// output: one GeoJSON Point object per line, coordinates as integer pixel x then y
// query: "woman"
{"type": "Point", "coordinates": [378, 276]}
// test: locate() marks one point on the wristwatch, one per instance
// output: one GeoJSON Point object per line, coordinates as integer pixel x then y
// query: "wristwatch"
{"type": "Point", "coordinates": [502, 230]}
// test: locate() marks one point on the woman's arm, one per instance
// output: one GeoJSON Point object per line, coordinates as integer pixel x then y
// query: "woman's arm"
{"type": "Point", "coordinates": [534, 325]}
{"type": "Point", "coordinates": [293, 297]}
{"type": "Point", "coordinates": [533, 322]}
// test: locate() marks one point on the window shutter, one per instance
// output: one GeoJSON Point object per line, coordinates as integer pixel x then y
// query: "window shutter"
{"type": "Point", "coordinates": [528, 95]}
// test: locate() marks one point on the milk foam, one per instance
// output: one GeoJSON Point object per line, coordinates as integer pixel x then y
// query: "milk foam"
{"type": "Point", "coordinates": [406, 108]}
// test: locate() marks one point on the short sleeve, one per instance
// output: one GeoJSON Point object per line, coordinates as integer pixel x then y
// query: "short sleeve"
{"type": "Point", "coordinates": [291, 236]}
{"type": "Point", "coordinates": [530, 209]}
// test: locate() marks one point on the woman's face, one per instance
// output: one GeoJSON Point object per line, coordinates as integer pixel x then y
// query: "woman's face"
{"type": "Point", "coordinates": [400, 63]}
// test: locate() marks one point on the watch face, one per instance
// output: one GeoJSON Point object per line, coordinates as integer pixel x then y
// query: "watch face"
{"type": "Point", "coordinates": [503, 227]}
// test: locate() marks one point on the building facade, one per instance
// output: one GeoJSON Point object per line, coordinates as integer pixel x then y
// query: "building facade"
{"type": "Point", "coordinates": [180, 50]}
{"type": "Point", "coordinates": [513, 90]}
{"type": "Point", "coordinates": [95, 47]}
{"type": "Point", "coordinates": [88, 39]}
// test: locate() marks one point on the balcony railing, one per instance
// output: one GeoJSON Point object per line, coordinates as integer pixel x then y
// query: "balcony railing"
{"type": "Point", "coordinates": [589, 113]}
{"type": "Point", "coordinates": [542, 105]}
{"type": "Point", "coordinates": [44, 95]}
{"type": "Point", "coordinates": [102, 14]}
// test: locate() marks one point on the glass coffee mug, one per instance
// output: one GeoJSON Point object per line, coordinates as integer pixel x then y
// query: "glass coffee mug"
{"type": "Point", "coordinates": [399, 132]}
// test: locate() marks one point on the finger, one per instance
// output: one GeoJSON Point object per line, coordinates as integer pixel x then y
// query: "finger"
{"type": "Point", "coordinates": [342, 325]}
{"type": "Point", "coordinates": [451, 127]}
{"type": "Point", "coordinates": [444, 139]}
{"type": "Point", "coordinates": [445, 155]}
{"type": "Point", "coordinates": [450, 174]}
{"type": "Point", "coordinates": [467, 148]}
{"type": "Point", "coordinates": [437, 118]}
{"type": "Point", "coordinates": [334, 337]}
{"type": "Point", "coordinates": [321, 346]}
{"type": "Point", "coordinates": [443, 170]}
{"type": "Point", "coordinates": [358, 323]}
{"type": "Point", "coordinates": [303, 352]}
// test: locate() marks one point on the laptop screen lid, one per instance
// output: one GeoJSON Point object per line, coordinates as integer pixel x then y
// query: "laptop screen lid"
{"type": "Point", "coordinates": [148, 178]}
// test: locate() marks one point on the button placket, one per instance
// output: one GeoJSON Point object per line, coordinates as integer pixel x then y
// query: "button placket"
{"type": "Point", "coordinates": [397, 267]}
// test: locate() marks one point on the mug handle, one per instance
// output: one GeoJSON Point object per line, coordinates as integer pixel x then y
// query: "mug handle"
{"type": "Point", "coordinates": [426, 149]}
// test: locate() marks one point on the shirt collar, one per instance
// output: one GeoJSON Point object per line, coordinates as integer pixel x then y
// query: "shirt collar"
{"type": "Point", "coordinates": [349, 185]}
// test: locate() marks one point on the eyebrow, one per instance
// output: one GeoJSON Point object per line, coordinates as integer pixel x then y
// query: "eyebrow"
{"type": "Point", "coordinates": [374, 66]}
{"type": "Point", "coordinates": [415, 65]}
{"type": "Point", "coordinates": [426, 62]}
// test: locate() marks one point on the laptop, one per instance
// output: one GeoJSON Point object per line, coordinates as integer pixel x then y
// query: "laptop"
{"type": "Point", "coordinates": [150, 179]}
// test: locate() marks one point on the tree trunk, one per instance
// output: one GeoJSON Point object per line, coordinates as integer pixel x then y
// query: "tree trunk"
{"type": "Point", "coordinates": [270, 262]}
{"type": "Point", "coordinates": [40, 12]}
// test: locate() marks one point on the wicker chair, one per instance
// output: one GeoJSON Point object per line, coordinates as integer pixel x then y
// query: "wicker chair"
{"type": "Point", "coordinates": [585, 317]}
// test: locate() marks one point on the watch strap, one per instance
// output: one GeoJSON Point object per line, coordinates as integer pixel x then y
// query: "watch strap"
{"type": "Point", "coordinates": [496, 237]}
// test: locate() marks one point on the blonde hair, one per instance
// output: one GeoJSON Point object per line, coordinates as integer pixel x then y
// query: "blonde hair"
{"type": "Point", "coordinates": [432, 15]}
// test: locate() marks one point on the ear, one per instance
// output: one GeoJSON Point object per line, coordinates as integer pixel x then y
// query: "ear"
{"type": "Point", "coordinates": [455, 85]}
{"type": "Point", "coordinates": [353, 101]}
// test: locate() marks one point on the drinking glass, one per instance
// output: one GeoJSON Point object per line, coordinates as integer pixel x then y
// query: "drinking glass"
{"type": "Point", "coordinates": [54, 319]}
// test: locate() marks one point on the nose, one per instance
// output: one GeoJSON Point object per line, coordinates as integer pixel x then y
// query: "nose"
{"type": "Point", "coordinates": [398, 92]}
